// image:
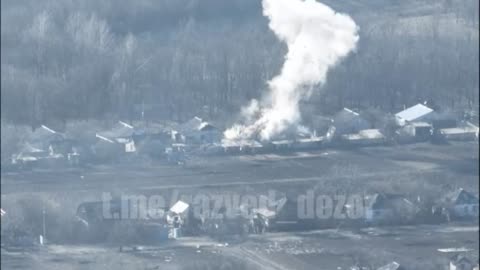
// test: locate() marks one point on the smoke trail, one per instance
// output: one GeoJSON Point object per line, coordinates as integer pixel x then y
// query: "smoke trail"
{"type": "Point", "coordinates": [317, 38]}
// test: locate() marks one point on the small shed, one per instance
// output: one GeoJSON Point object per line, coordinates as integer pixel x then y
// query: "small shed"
{"type": "Point", "coordinates": [415, 131]}
{"type": "Point", "coordinates": [364, 137]}
{"type": "Point", "coordinates": [465, 132]}
{"type": "Point", "coordinates": [179, 208]}
{"type": "Point", "coordinates": [282, 145]}
{"type": "Point", "coordinates": [308, 143]}
{"type": "Point", "coordinates": [459, 134]}
{"type": "Point", "coordinates": [391, 266]}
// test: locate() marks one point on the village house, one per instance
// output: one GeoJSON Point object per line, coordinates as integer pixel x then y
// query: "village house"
{"type": "Point", "coordinates": [414, 132]}
{"type": "Point", "coordinates": [45, 138]}
{"type": "Point", "coordinates": [364, 137]}
{"type": "Point", "coordinates": [320, 124]}
{"type": "Point", "coordinates": [308, 143]}
{"type": "Point", "coordinates": [349, 122]}
{"type": "Point", "coordinates": [45, 145]}
{"type": "Point", "coordinates": [460, 204]}
{"type": "Point", "coordinates": [417, 113]}
{"type": "Point", "coordinates": [388, 208]}
{"type": "Point", "coordinates": [461, 262]}
{"type": "Point", "coordinates": [176, 218]}
{"type": "Point", "coordinates": [466, 131]}
{"type": "Point", "coordinates": [198, 131]}
{"type": "Point", "coordinates": [121, 135]}
{"type": "Point", "coordinates": [414, 124]}
{"type": "Point", "coordinates": [153, 139]}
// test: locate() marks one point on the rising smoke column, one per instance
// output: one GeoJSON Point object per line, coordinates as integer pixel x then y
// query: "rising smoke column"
{"type": "Point", "coordinates": [317, 38]}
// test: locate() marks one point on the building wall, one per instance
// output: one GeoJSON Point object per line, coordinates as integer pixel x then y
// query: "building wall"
{"type": "Point", "coordinates": [209, 136]}
{"type": "Point", "coordinates": [466, 210]}
{"type": "Point", "coordinates": [378, 215]}
{"type": "Point", "coordinates": [467, 136]}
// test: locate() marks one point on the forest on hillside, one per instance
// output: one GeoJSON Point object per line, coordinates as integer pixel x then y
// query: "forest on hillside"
{"type": "Point", "coordinates": [172, 59]}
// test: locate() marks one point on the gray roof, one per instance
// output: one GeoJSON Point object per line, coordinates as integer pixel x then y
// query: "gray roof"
{"type": "Point", "coordinates": [414, 112]}
{"type": "Point", "coordinates": [385, 200]}
{"type": "Point", "coordinates": [459, 197]}
{"type": "Point", "coordinates": [460, 258]}
{"type": "Point", "coordinates": [120, 130]}
{"type": "Point", "coordinates": [390, 266]}
{"type": "Point", "coordinates": [43, 136]}
{"type": "Point", "coordinates": [364, 134]}
{"type": "Point", "coordinates": [196, 124]}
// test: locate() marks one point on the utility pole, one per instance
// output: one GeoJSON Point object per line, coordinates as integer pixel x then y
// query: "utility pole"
{"type": "Point", "coordinates": [143, 111]}
{"type": "Point", "coordinates": [43, 223]}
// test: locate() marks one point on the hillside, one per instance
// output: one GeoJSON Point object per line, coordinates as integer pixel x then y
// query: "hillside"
{"type": "Point", "coordinates": [176, 58]}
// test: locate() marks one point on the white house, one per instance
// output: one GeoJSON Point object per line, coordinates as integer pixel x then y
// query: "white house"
{"type": "Point", "coordinates": [417, 113]}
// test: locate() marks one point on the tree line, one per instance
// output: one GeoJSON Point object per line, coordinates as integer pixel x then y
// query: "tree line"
{"type": "Point", "coordinates": [172, 59]}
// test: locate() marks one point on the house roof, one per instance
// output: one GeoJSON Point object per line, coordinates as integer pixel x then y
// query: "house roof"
{"type": "Point", "coordinates": [365, 134]}
{"type": "Point", "coordinates": [28, 148]}
{"type": "Point", "coordinates": [351, 111]}
{"type": "Point", "coordinates": [311, 140]}
{"type": "Point", "coordinates": [413, 113]}
{"type": "Point", "coordinates": [463, 128]}
{"type": "Point", "coordinates": [384, 200]}
{"type": "Point", "coordinates": [264, 212]}
{"type": "Point", "coordinates": [282, 142]}
{"type": "Point", "coordinates": [120, 130]}
{"type": "Point", "coordinates": [345, 115]}
{"type": "Point", "coordinates": [179, 207]}
{"type": "Point", "coordinates": [196, 124]}
{"type": "Point", "coordinates": [241, 143]}
{"type": "Point", "coordinates": [455, 131]}
{"type": "Point", "coordinates": [205, 126]}
{"type": "Point", "coordinates": [44, 135]}
{"type": "Point", "coordinates": [192, 124]}
{"type": "Point", "coordinates": [390, 266]}
{"type": "Point", "coordinates": [460, 196]}
{"type": "Point", "coordinates": [459, 258]}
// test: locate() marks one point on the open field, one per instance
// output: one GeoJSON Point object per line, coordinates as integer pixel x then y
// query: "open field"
{"type": "Point", "coordinates": [371, 167]}
{"type": "Point", "coordinates": [414, 247]}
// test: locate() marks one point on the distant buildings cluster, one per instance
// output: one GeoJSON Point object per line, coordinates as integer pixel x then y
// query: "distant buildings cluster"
{"type": "Point", "coordinates": [173, 143]}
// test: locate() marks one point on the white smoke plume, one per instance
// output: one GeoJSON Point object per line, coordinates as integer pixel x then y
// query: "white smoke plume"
{"type": "Point", "coordinates": [317, 38]}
